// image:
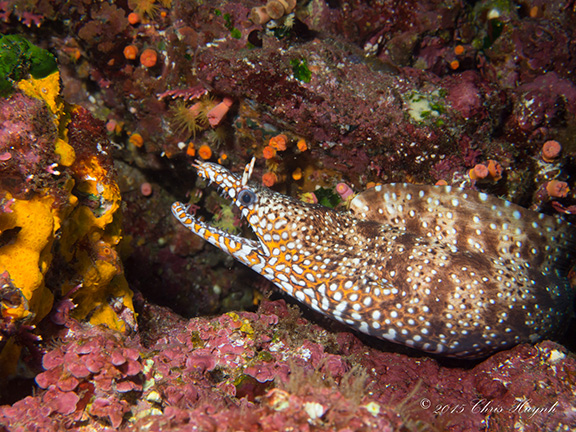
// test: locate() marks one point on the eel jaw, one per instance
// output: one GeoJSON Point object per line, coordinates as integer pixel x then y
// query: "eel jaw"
{"type": "Point", "coordinates": [249, 252]}
{"type": "Point", "coordinates": [252, 253]}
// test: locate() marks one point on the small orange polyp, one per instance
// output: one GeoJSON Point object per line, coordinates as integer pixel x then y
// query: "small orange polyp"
{"type": "Point", "coordinates": [136, 139]}
{"type": "Point", "coordinates": [278, 142]}
{"type": "Point", "coordinates": [190, 150]}
{"type": "Point", "coordinates": [480, 171]}
{"type": "Point", "coordinates": [205, 152]}
{"type": "Point", "coordinates": [495, 170]}
{"type": "Point", "coordinates": [557, 189]}
{"type": "Point", "coordinates": [268, 152]}
{"type": "Point", "coordinates": [551, 150]}
{"type": "Point", "coordinates": [130, 52]}
{"type": "Point", "coordinates": [148, 58]}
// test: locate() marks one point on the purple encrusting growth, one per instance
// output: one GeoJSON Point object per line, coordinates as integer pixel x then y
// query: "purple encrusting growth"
{"type": "Point", "coordinates": [440, 269]}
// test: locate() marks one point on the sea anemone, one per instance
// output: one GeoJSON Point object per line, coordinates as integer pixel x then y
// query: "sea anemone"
{"type": "Point", "coordinates": [144, 7]}
{"type": "Point", "coordinates": [146, 189]}
{"type": "Point", "coordinates": [136, 139]}
{"type": "Point", "coordinates": [130, 52]}
{"type": "Point", "coordinates": [494, 170]}
{"type": "Point", "coordinates": [279, 142]}
{"type": "Point", "coordinates": [491, 171]}
{"type": "Point", "coordinates": [190, 150]}
{"type": "Point", "coordinates": [259, 16]}
{"type": "Point", "coordinates": [297, 174]}
{"type": "Point", "coordinates": [479, 172]}
{"type": "Point", "coordinates": [205, 104]}
{"type": "Point", "coordinates": [344, 191]}
{"type": "Point", "coordinates": [188, 119]}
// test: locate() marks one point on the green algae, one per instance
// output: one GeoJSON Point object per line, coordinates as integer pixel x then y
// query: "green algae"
{"type": "Point", "coordinates": [20, 58]}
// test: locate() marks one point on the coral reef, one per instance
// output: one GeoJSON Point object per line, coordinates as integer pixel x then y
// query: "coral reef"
{"type": "Point", "coordinates": [103, 107]}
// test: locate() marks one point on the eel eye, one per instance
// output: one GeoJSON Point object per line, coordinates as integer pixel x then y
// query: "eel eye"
{"type": "Point", "coordinates": [246, 197]}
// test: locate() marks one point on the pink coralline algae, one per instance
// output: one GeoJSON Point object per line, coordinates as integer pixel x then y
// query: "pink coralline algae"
{"type": "Point", "coordinates": [465, 94]}
{"type": "Point", "coordinates": [92, 363]}
{"type": "Point", "coordinates": [26, 145]}
{"type": "Point", "coordinates": [541, 103]}
{"type": "Point", "coordinates": [272, 370]}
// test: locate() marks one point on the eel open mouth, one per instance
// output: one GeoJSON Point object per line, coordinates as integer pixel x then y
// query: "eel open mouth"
{"type": "Point", "coordinates": [230, 186]}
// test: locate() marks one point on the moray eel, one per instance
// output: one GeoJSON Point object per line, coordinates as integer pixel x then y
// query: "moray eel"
{"type": "Point", "coordinates": [448, 271]}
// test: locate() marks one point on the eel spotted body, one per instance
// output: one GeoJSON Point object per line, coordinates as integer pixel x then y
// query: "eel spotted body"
{"type": "Point", "coordinates": [444, 270]}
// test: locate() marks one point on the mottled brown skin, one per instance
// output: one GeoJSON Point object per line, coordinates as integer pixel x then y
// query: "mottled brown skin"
{"type": "Point", "coordinates": [443, 270]}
